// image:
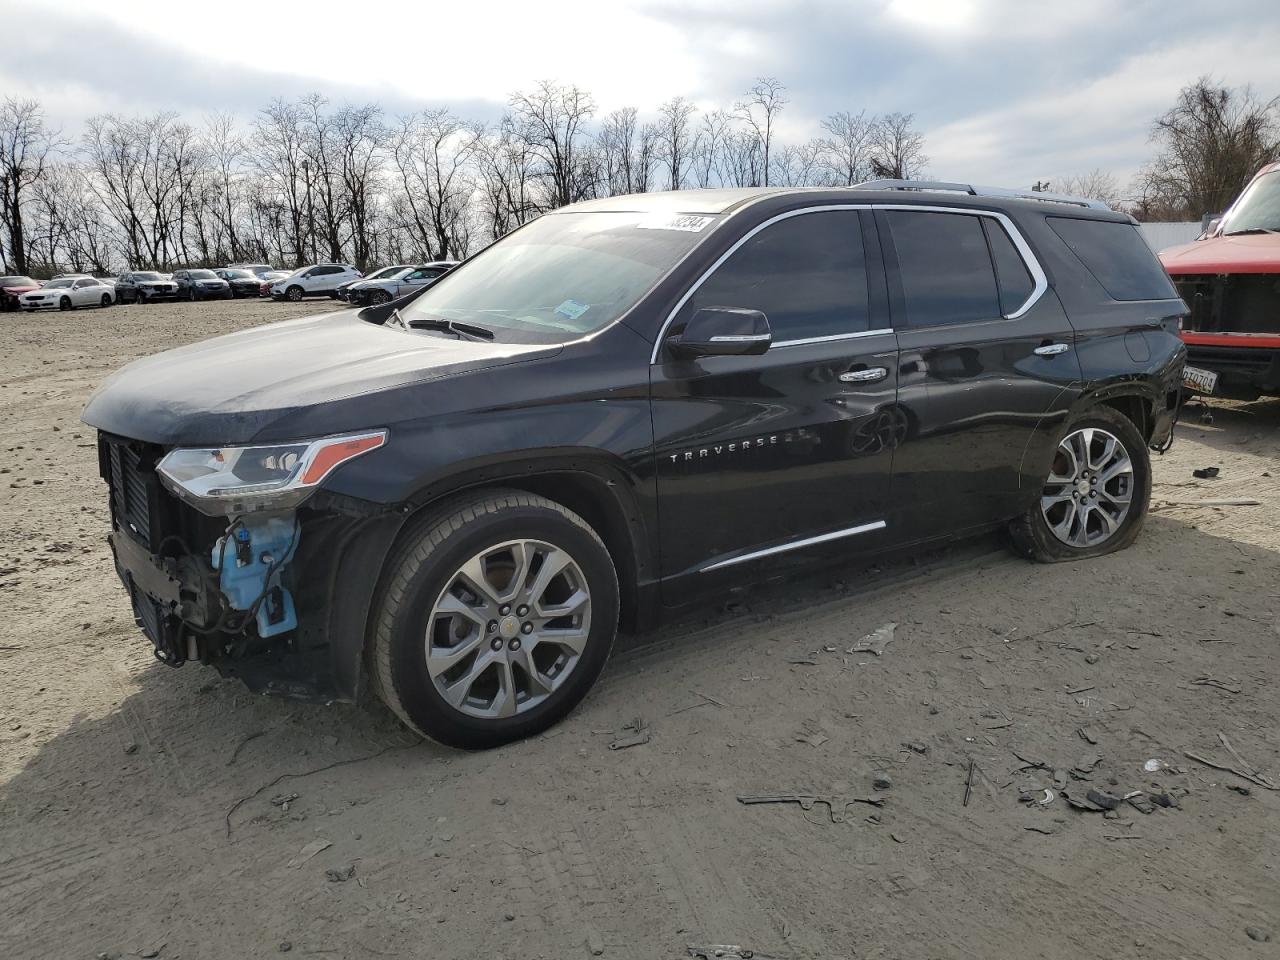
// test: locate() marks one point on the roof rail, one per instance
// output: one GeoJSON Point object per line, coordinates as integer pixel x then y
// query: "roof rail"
{"type": "Point", "coordinates": [976, 191]}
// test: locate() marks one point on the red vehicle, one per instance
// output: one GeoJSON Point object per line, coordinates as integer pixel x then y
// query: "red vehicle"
{"type": "Point", "coordinates": [11, 287]}
{"type": "Point", "coordinates": [1230, 279]}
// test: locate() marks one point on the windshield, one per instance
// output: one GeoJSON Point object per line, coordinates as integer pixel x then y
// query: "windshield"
{"type": "Point", "coordinates": [385, 272]}
{"type": "Point", "coordinates": [239, 274]}
{"type": "Point", "coordinates": [202, 275]}
{"type": "Point", "coordinates": [17, 282]}
{"type": "Point", "coordinates": [1258, 208]}
{"type": "Point", "coordinates": [561, 276]}
{"type": "Point", "coordinates": [58, 283]}
{"type": "Point", "coordinates": [146, 276]}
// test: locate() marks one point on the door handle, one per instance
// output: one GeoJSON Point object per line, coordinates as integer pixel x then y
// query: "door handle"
{"type": "Point", "coordinates": [868, 375]}
{"type": "Point", "coordinates": [1052, 349]}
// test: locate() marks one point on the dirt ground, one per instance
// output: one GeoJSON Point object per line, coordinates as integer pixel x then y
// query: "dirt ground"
{"type": "Point", "coordinates": [124, 827]}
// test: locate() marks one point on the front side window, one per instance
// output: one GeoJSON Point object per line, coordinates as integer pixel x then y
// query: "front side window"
{"type": "Point", "coordinates": [806, 273]}
{"type": "Point", "coordinates": [946, 270]}
{"type": "Point", "coordinates": [561, 276]}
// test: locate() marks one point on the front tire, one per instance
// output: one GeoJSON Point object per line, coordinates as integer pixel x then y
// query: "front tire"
{"type": "Point", "coordinates": [106, 299]}
{"type": "Point", "coordinates": [1096, 496]}
{"type": "Point", "coordinates": [379, 296]}
{"type": "Point", "coordinates": [64, 303]}
{"type": "Point", "coordinates": [498, 616]}
{"type": "Point", "coordinates": [294, 294]}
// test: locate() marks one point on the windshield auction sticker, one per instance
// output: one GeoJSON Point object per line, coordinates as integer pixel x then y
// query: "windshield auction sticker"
{"type": "Point", "coordinates": [688, 222]}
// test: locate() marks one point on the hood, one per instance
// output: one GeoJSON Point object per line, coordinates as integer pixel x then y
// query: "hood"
{"type": "Point", "coordinates": [25, 288]}
{"type": "Point", "coordinates": [258, 383]}
{"type": "Point", "coordinates": [1255, 253]}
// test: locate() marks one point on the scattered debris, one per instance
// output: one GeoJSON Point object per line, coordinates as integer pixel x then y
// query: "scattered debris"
{"type": "Point", "coordinates": [1092, 658]}
{"type": "Point", "coordinates": [1228, 685]}
{"type": "Point", "coordinates": [1152, 765]}
{"type": "Point", "coordinates": [968, 784]}
{"type": "Point", "coordinates": [1100, 798]}
{"type": "Point", "coordinates": [1165, 800]}
{"type": "Point", "coordinates": [130, 748]}
{"type": "Point", "coordinates": [916, 746]}
{"type": "Point", "coordinates": [1141, 803]}
{"type": "Point", "coordinates": [1081, 803]}
{"type": "Point", "coordinates": [876, 641]}
{"type": "Point", "coordinates": [1238, 502]}
{"type": "Point", "coordinates": [812, 739]}
{"type": "Point", "coordinates": [897, 839]}
{"type": "Point", "coordinates": [341, 874]}
{"type": "Point", "coordinates": [283, 800]}
{"type": "Point", "coordinates": [1085, 766]}
{"type": "Point", "coordinates": [881, 781]}
{"type": "Point", "coordinates": [1243, 791]}
{"type": "Point", "coordinates": [595, 943]}
{"type": "Point", "coordinates": [638, 737]}
{"type": "Point", "coordinates": [804, 662]}
{"type": "Point", "coordinates": [285, 946]}
{"type": "Point", "coordinates": [1249, 771]}
{"type": "Point", "coordinates": [240, 746]}
{"type": "Point", "coordinates": [1258, 934]}
{"type": "Point", "coordinates": [1205, 473]}
{"type": "Point", "coordinates": [724, 951]}
{"type": "Point", "coordinates": [1033, 796]}
{"type": "Point", "coordinates": [836, 805]}
{"type": "Point", "coordinates": [1047, 831]}
{"type": "Point", "coordinates": [1076, 690]}
{"type": "Point", "coordinates": [309, 851]}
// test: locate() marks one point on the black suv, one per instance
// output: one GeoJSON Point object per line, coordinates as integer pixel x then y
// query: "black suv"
{"type": "Point", "coordinates": [145, 286]}
{"type": "Point", "coordinates": [627, 405]}
{"type": "Point", "coordinates": [201, 285]}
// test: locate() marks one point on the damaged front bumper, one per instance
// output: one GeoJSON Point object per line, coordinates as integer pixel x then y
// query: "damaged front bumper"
{"type": "Point", "coordinates": [251, 595]}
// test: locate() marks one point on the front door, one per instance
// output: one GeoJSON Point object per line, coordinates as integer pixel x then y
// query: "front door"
{"type": "Point", "coordinates": [987, 371]}
{"type": "Point", "coordinates": [765, 458]}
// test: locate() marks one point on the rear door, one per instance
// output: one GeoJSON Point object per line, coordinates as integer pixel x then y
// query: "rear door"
{"type": "Point", "coordinates": [763, 459]}
{"type": "Point", "coordinates": [988, 369]}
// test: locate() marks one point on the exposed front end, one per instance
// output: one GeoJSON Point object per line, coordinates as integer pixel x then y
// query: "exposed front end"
{"type": "Point", "coordinates": [1232, 333]}
{"type": "Point", "coordinates": [231, 568]}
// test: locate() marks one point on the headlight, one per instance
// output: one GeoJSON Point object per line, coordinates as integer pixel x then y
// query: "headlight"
{"type": "Point", "coordinates": [227, 480]}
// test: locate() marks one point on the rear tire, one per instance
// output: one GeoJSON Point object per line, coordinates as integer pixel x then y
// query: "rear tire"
{"type": "Point", "coordinates": [106, 299]}
{"type": "Point", "coordinates": [445, 657]}
{"type": "Point", "coordinates": [1096, 497]}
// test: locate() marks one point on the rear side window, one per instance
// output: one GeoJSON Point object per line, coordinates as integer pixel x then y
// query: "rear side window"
{"type": "Point", "coordinates": [947, 276]}
{"type": "Point", "coordinates": [1117, 256]}
{"type": "Point", "coordinates": [805, 273]}
{"type": "Point", "coordinates": [1012, 276]}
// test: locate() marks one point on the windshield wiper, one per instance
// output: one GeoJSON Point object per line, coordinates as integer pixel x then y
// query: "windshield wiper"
{"type": "Point", "coordinates": [472, 331]}
{"type": "Point", "coordinates": [1249, 231]}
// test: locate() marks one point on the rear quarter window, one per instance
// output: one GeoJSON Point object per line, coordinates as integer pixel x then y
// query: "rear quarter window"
{"type": "Point", "coordinates": [1117, 256]}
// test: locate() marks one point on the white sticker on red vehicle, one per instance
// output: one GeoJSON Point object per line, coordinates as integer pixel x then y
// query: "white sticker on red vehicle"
{"type": "Point", "coordinates": [688, 222]}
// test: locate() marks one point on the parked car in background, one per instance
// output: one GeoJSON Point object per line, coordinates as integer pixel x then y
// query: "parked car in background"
{"type": "Point", "coordinates": [319, 280]}
{"type": "Point", "coordinates": [268, 279]}
{"type": "Point", "coordinates": [382, 272]}
{"type": "Point", "coordinates": [1230, 279]}
{"type": "Point", "coordinates": [243, 282]}
{"type": "Point", "coordinates": [628, 405]}
{"type": "Point", "coordinates": [397, 284]}
{"type": "Point", "coordinates": [12, 287]}
{"type": "Point", "coordinates": [145, 286]}
{"type": "Point", "coordinates": [68, 293]}
{"type": "Point", "coordinates": [257, 269]}
{"type": "Point", "coordinates": [201, 285]}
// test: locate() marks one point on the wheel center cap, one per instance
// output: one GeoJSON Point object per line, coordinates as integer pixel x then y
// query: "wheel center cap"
{"type": "Point", "coordinates": [508, 627]}
{"type": "Point", "coordinates": [1082, 487]}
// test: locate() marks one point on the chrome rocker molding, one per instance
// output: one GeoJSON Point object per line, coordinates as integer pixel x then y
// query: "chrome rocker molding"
{"type": "Point", "coordinates": [795, 545]}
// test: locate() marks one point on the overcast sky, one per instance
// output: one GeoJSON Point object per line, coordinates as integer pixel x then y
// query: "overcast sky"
{"type": "Point", "coordinates": [1006, 92]}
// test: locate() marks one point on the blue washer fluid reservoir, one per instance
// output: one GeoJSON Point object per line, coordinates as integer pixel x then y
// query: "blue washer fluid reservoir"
{"type": "Point", "coordinates": [249, 566]}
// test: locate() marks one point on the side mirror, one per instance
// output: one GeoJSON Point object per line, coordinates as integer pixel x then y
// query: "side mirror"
{"type": "Point", "coordinates": [1211, 222]}
{"type": "Point", "coordinates": [723, 332]}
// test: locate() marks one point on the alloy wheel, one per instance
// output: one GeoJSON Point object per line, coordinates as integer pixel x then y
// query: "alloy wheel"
{"type": "Point", "coordinates": [508, 629]}
{"type": "Point", "coordinates": [1090, 487]}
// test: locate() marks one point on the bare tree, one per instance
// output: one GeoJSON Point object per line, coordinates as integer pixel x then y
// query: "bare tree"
{"type": "Point", "coordinates": [505, 163]}
{"type": "Point", "coordinates": [552, 119]}
{"type": "Point", "coordinates": [847, 150]}
{"type": "Point", "coordinates": [674, 138]}
{"type": "Point", "coordinates": [278, 154]}
{"type": "Point", "coordinates": [897, 148]}
{"type": "Point", "coordinates": [1211, 141]}
{"type": "Point", "coordinates": [26, 148]}
{"type": "Point", "coordinates": [759, 110]}
{"type": "Point", "coordinates": [361, 138]}
{"type": "Point", "coordinates": [433, 152]}
{"type": "Point", "coordinates": [616, 146]}
{"type": "Point", "coordinates": [1094, 185]}
{"type": "Point", "coordinates": [708, 144]}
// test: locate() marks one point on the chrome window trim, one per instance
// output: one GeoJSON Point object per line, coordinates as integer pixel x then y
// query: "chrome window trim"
{"type": "Point", "coordinates": [807, 542]}
{"type": "Point", "coordinates": [1039, 279]}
